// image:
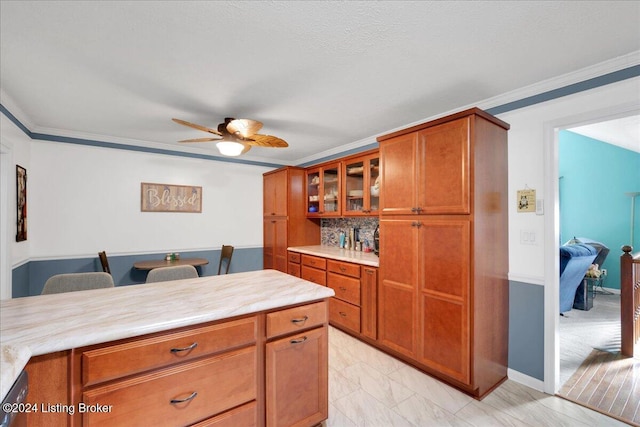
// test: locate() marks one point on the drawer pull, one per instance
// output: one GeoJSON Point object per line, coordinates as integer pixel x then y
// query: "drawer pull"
{"type": "Point", "coordinates": [297, 321]}
{"type": "Point", "coordinates": [342, 288]}
{"type": "Point", "coordinates": [178, 350]}
{"type": "Point", "coordinates": [186, 399]}
{"type": "Point", "coordinates": [343, 314]}
{"type": "Point", "coordinates": [343, 269]}
{"type": "Point", "coordinates": [299, 340]}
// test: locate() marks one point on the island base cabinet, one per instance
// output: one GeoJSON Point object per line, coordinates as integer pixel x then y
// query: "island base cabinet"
{"type": "Point", "coordinates": [297, 379]}
{"type": "Point", "coordinates": [243, 416]}
{"type": "Point", "coordinates": [180, 395]}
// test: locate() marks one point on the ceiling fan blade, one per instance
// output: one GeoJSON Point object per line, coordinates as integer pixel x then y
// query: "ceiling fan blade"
{"type": "Point", "coordinates": [200, 140]}
{"type": "Point", "coordinates": [267, 141]}
{"type": "Point", "coordinates": [247, 147]}
{"type": "Point", "coordinates": [195, 126]}
{"type": "Point", "coordinates": [244, 128]}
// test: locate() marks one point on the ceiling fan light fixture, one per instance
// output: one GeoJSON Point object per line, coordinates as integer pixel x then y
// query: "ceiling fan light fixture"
{"type": "Point", "coordinates": [230, 148]}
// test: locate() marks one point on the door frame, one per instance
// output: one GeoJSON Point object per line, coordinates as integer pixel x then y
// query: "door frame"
{"type": "Point", "coordinates": [552, 230]}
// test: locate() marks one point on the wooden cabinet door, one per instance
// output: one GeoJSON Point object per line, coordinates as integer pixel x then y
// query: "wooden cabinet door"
{"type": "Point", "coordinates": [297, 379]}
{"type": "Point", "coordinates": [398, 271]}
{"type": "Point", "coordinates": [275, 194]}
{"type": "Point", "coordinates": [369, 302]}
{"type": "Point", "coordinates": [444, 169]}
{"type": "Point", "coordinates": [275, 244]}
{"type": "Point", "coordinates": [398, 191]}
{"type": "Point", "coordinates": [444, 297]}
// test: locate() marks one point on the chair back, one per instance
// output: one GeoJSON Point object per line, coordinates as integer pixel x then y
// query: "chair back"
{"type": "Point", "coordinates": [71, 282]}
{"type": "Point", "coordinates": [164, 274]}
{"type": "Point", "coordinates": [225, 258]}
{"type": "Point", "coordinates": [104, 261]}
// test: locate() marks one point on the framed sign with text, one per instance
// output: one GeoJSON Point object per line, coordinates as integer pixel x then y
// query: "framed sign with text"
{"type": "Point", "coordinates": [170, 198]}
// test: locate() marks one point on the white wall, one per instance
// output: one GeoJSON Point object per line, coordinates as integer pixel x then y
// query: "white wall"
{"type": "Point", "coordinates": [85, 199]}
{"type": "Point", "coordinates": [527, 159]}
{"type": "Point", "coordinates": [533, 162]}
{"type": "Point", "coordinates": [16, 148]}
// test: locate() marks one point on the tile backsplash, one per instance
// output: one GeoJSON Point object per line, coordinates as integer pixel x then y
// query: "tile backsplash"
{"type": "Point", "coordinates": [331, 228]}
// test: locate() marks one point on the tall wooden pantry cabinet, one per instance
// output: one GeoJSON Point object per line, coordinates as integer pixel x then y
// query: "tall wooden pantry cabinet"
{"type": "Point", "coordinates": [284, 220]}
{"type": "Point", "coordinates": [443, 289]}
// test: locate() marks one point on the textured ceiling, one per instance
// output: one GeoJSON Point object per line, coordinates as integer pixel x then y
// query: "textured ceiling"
{"type": "Point", "coordinates": [320, 75]}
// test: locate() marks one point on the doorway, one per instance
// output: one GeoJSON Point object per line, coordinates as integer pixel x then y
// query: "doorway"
{"type": "Point", "coordinates": [553, 237]}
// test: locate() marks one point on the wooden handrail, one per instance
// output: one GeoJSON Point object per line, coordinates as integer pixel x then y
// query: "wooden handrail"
{"type": "Point", "coordinates": [629, 300]}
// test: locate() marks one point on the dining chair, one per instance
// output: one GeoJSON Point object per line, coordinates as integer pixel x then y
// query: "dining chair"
{"type": "Point", "coordinates": [71, 282]}
{"type": "Point", "coordinates": [104, 261]}
{"type": "Point", "coordinates": [225, 257]}
{"type": "Point", "coordinates": [177, 272]}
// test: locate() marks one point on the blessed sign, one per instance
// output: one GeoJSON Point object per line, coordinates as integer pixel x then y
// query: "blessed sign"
{"type": "Point", "coordinates": [170, 198]}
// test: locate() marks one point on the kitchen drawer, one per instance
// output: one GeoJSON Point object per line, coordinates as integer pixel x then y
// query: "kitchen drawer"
{"type": "Point", "coordinates": [344, 314]}
{"type": "Point", "coordinates": [345, 268]}
{"type": "Point", "coordinates": [294, 257]}
{"type": "Point", "coordinates": [346, 288]}
{"type": "Point", "coordinates": [208, 387]}
{"type": "Point", "coordinates": [142, 354]}
{"type": "Point", "coordinates": [294, 269]}
{"type": "Point", "coordinates": [314, 275]}
{"type": "Point", "coordinates": [244, 416]}
{"type": "Point", "coordinates": [314, 261]}
{"type": "Point", "coordinates": [296, 319]}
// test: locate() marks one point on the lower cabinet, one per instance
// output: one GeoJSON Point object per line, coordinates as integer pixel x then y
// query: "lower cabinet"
{"type": "Point", "coordinates": [297, 379]}
{"type": "Point", "coordinates": [297, 363]}
{"type": "Point", "coordinates": [269, 369]}
{"type": "Point", "coordinates": [179, 395]}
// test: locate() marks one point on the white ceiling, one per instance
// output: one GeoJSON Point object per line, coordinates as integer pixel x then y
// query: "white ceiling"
{"type": "Point", "coordinates": [324, 76]}
{"type": "Point", "coordinates": [623, 132]}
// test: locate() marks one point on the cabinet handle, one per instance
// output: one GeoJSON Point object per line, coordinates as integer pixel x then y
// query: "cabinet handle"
{"type": "Point", "coordinates": [178, 350]}
{"type": "Point", "coordinates": [366, 270]}
{"type": "Point", "coordinates": [343, 269]}
{"type": "Point", "coordinates": [416, 224]}
{"type": "Point", "coordinates": [296, 321]}
{"type": "Point", "coordinates": [414, 210]}
{"type": "Point", "coordinates": [186, 399]}
{"type": "Point", "coordinates": [299, 340]}
{"type": "Point", "coordinates": [342, 313]}
{"type": "Point", "coordinates": [342, 288]}
{"type": "Point", "coordinates": [418, 209]}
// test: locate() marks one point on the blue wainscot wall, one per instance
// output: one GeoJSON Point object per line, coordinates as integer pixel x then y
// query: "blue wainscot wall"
{"type": "Point", "coordinates": [29, 278]}
{"type": "Point", "coordinates": [526, 329]}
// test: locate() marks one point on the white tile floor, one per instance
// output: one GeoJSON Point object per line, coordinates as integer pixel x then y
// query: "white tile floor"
{"type": "Point", "coordinates": [369, 388]}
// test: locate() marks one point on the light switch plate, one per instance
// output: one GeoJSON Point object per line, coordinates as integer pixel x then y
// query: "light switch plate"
{"type": "Point", "coordinates": [539, 207]}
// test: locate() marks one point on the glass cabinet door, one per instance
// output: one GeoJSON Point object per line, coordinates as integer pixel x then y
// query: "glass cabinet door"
{"type": "Point", "coordinates": [354, 186]}
{"type": "Point", "coordinates": [374, 184]}
{"type": "Point", "coordinates": [331, 187]}
{"type": "Point", "coordinates": [361, 185]}
{"type": "Point", "coordinates": [313, 192]}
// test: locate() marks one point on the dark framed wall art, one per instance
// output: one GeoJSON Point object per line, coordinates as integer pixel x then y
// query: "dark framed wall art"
{"type": "Point", "coordinates": [21, 192]}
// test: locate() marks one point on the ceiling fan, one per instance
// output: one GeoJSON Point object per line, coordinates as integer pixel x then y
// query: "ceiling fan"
{"type": "Point", "coordinates": [235, 136]}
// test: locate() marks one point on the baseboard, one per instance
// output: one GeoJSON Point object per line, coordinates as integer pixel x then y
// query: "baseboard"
{"type": "Point", "coordinates": [526, 380]}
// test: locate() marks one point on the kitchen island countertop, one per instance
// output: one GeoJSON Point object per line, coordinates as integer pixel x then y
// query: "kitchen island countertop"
{"type": "Point", "coordinates": [37, 325]}
{"type": "Point", "coordinates": [333, 252]}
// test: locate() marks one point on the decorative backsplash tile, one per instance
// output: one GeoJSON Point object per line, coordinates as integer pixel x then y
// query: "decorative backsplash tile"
{"type": "Point", "coordinates": [331, 228]}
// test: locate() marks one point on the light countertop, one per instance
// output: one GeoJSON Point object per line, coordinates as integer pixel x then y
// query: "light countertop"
{"type": "Point", "coordinates": [44, 324]}
{"type": "Point", "coordinates": [333, 252]}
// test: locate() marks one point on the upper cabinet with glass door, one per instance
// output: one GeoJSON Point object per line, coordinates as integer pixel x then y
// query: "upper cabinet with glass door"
{"type": "Point", "coordinates": [323, 191]}
{"type": "Point", "coordinates": [361, 185]}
